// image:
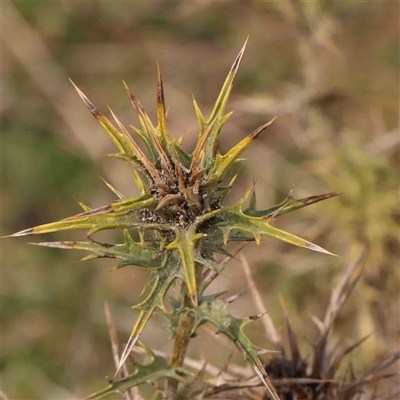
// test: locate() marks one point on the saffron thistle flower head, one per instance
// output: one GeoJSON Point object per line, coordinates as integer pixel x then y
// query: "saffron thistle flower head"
{"type": "Point", "coordinates": [180, 216]}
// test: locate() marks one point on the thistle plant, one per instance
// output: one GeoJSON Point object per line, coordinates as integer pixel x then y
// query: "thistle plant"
{"type": "Point", "coordinates": [175, 228]}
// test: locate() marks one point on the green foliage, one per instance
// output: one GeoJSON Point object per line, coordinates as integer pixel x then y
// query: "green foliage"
{"type": "Point", "coordinates": [372, 190]}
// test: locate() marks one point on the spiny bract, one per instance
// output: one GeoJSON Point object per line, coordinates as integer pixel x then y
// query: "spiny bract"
{"type": "Point", "coordinates": [179, 216]}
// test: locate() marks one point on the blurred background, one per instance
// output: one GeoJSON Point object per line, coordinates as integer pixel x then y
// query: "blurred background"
{"type": "Point", "coordinates": [327, 69]}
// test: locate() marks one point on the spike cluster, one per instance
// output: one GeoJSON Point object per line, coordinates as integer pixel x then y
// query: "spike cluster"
{"type": "Point", "coordinates": [179, 216]}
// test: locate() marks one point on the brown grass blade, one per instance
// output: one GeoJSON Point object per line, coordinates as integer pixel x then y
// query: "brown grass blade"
{"type": "Point", "coordinates": [128, 395]}
{"type": "Point", "coordinates": [339, 296]}
{"type": "Point", "coordinates": [267, 322]}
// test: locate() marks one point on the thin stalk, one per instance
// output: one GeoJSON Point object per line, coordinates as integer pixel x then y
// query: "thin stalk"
{"type": "Point", "coordinates": [181, 343]}
{"type": "Point", "coordinates": [182, 337]}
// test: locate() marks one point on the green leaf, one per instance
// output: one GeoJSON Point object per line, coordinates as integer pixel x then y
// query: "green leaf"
{"type": "Point", "coordinates": [217, 112]}
{"type": "Point", "coordinates": [258, 227]}
{"type": "Point", "coordinates": [287, 206]}
{"type": "Point", "coordinates": [161, 113]}
{"type": "Point", "coordinates": [223, 96]}
{"type": "Point", "coordinates": [150, 373]}
{"type": "Point", "coordinates": [160, 139]}
{"type": "Point", "coordinates": [161, 280]}
{"type": "Point", "coordinates": [118, 215]}
{"type": "Point", "coordinates": [233, 219]}
{"type": "Point", "coordinates": [129, 252]}
{"type": "Point", "coordinates": [122, 140]}
{"type": "Point", "coordinates": [224, 162]}
{"type": "Point", "coordinates": [185, 243]}
{"type": "Point", "coordinates": [200, 118]}
{"type": "Point", "coordinates": [215, 311]}
{"type": "Point", "coordinates": [210, 148]}
{"type": "Point", "coordinates": [148, 142]}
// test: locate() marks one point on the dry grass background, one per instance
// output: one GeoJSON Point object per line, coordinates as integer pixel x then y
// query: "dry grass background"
{"type": "Point", "coordinates": [328, 69]}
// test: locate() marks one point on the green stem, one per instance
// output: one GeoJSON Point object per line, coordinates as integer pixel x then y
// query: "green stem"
{"type": "Point", "coordinates": [182, 339]}
{"type": "Point", "coordinates": [181, 343]}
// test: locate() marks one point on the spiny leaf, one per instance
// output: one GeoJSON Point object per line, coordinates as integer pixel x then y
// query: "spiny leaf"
{"type": "Point", "coordinates": [121, 214]}
{"type": "Point", "coordinates": [224, 162]}
{"type": "Point", "coordinates": [258, 227]}
{"type": "Point", "coordinates": [211, 146]}
{"type": "Point", "coordinates": [148, 142]}
{"type": "Point", "coordinates": [162, 280]}
{"type": "Point", "coordinates": [161, 114]}
{"type": "Point", "coordinates": [215, 312]}
{"type": "Point", "coordinates": [288, 205]}
{"type": "Point", "coordinates": [218, 110]}
{"type": "Point", "coordinates": [200, 148]}
{"type": "Point", "coordinates": [227, 86]}
{"type": "Point", "coordinates": [129, 252]}
{"type": "Point", "coordinates": [144, 119]}
{"type": "Point", "coordinates": [150, 130]}
{"type": "Point", "coordinates": [233, 218]}
{"type": "Point", "coordinates": [150, 373]}
{"type": "Point", "coordinates": [138, 152]}
{"type": "Point", "coordinates": [185, 242]}
{"type": "Point", "coordinates": [123, 141]}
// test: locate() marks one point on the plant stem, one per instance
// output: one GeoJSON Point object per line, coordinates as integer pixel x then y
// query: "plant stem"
{"type": "Point", "coordinates": [182, 338]}
{"type": "Point", "coordinates": [181, 343]}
